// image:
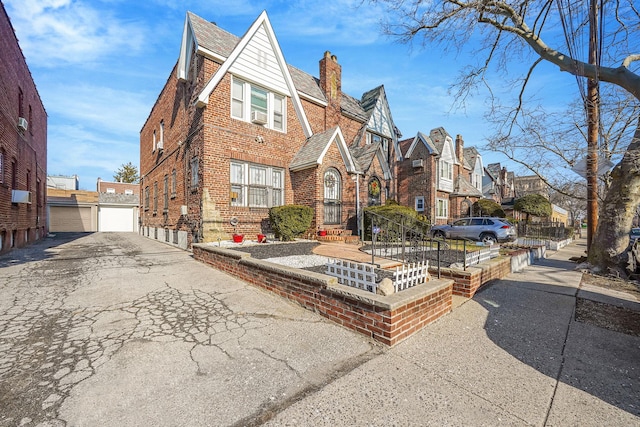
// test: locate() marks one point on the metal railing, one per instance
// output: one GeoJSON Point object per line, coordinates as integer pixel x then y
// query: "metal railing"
{"type": "Point", "coordinates": [408, 240]}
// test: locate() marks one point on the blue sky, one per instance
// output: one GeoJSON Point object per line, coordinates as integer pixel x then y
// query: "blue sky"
{"type": "Point", "coordinates": [100, 65]}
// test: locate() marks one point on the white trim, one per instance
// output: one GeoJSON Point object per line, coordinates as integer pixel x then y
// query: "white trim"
{"type": "Point", "coordinates": [263, 19]}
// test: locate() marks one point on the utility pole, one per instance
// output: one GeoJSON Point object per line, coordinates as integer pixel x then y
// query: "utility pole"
{"type": "Point", "coordinates": [593, 111]}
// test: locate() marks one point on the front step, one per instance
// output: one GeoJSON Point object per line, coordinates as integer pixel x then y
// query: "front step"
{"type": "Point", "coordinates": [338, 235]}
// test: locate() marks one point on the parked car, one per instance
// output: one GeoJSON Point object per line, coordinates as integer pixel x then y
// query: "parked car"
{"type": "Point", "coordinates": [488, 230]}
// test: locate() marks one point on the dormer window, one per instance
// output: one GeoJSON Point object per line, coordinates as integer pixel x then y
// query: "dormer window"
{"type": "Point", "coordinates": [257, 105]}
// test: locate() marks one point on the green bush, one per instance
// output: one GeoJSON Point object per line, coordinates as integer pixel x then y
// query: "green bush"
{"type": "Point", "coordinates": [396, 214]}
{"type": "Point", "coordinates": [290, 221]}
{"type": "Point", "coordinates": [488, 207]}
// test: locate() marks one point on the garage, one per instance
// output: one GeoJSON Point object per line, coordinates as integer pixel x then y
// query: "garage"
{"type": "Point", "coordinates": [70, 218]}
{"type": "Point", "coordinates": [120, 218]}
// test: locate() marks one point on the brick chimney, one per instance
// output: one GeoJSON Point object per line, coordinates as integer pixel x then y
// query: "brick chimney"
{"type": "Point", "coordinates": [331, 85]}
{"type": "Point", "coordinates": [459, 148]}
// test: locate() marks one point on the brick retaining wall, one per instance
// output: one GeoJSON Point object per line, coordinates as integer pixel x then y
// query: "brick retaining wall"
{"type": "Point", "coordinates": [387, 319]}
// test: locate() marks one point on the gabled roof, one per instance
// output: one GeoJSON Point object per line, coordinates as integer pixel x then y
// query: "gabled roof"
{"type": "Point", "coordinates": [464, 188]}
{"type": "Point", "coordinates": [312, 153]}
{"type": "Point", "coordinates": [427, 142]}
{"type": "Point", "coordinates": [197, 31]}
{"type": "Point", "coordinates": [352, 107]}
{"type": "Point", "coordinates": [470, 156]}
{"type": "Point", "coordinates": [366, 154]}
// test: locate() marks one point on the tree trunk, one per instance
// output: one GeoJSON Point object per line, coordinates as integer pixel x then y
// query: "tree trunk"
{"type": "Point", "coordinates": [619, 208]}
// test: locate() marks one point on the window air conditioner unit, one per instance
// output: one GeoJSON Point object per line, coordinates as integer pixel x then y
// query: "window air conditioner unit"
{"type": "Point", "coordinates": [20, 196]}
{"type": "Point", "coordinates": [258, 117]}
{"type": "Point", "coordinates": [417, 163]}
{"type": "Point", "coordinates": [22, 123]}
{"type": "Point", "coordinates": [160, 145]}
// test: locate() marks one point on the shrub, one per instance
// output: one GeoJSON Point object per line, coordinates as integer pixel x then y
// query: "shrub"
{"type": "Point", "coordinates": [487, 207]}
{"type": "Point", "coordinates": [396, 214]}
{"type": "Point", "coordinates": [290, 221]}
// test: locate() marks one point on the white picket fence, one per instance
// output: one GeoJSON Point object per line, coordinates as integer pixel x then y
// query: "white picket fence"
{"type": "Point", "coordinates": [410, 275]}
{"type": "Point", "coordinates": [354, 274]}
{"type": "Point", "coordinates": [482, 255]}
{"type": "Point", "coordinates": [363, 276]}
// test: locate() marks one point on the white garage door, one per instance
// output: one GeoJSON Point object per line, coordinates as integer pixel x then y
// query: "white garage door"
{"type": "Point", "coordinates": [117, 219]}
{"type": "Point", "coordinates": [69, 218]}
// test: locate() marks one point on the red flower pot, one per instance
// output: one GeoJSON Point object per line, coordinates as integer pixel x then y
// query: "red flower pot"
{"type": "Point", "coordinates": [262, 238]}
{"type": "Point", "coordinates": [322, 233]}
{"type": "Point", "coordinates": [238, 238]}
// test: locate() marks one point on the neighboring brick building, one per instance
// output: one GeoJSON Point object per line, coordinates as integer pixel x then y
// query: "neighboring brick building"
{"type": "Point", "coordinates": [236, 130]}
{"type": "Point", "coordinates": [23, 146]}
{"type": "Point", "coordinates": [438, 178]}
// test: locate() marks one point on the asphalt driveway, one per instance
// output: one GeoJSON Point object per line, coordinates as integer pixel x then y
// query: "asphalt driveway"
{"type": "Point", "coordinates": [113, 329]}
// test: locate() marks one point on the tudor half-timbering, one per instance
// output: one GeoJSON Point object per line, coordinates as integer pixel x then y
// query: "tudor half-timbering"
{"type": "Point", "coordinates": [438, 178]}
{"type": "Point", "coordinates": [236, 130]}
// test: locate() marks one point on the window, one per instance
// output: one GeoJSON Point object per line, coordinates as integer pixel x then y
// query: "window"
{"type": "Point", "coordinates": [154, 141]}
{"type": "Point", "coordinates": [256, 185]}
{"type": "Point", "coordinates": [257, 105]}
{"type": "Point", "coordinates": [155, 197]}
{"type": "Point", "coordinates": [20, 102]}
{"type": "Point", "coordinates": [111, 190]}
{"type": "Point", "coordinates": [442, 208]}
{"type": "Point", "coordinates": [194, 173]}
{"type": "Point", "coordinates": [146, 198]}
{"type": "Point", "coordinates": [1, 167]}
{"type": "Point", "coordinates": [30, 120]}
{"type": "Point", "coordinates": [166, 194]}
{"type": "Point", "coordinates": [174, 183]}
{"type": "Point", "coordinates": [161, 142]}
{"type": "Point", "coordinates": [446, 170]}
{"type": "Point", "coordinates": [128, 192]}
{"type": "Point", "coordinates": [419, 204]}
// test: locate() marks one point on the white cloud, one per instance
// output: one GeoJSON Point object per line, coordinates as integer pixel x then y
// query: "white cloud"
{"type": "Point", "coordinates": [54, 32]}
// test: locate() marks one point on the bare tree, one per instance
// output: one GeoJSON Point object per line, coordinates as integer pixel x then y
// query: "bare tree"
{"type": "Point", "coordinates": [517, 32]}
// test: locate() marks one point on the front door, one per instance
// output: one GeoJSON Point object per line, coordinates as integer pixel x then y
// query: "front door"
{"type": "Point", "coordinates": [332, 197]}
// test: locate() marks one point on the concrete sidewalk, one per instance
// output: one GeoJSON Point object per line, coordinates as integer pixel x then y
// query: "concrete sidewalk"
{"type": "Point", "coordinates": [512, 355]}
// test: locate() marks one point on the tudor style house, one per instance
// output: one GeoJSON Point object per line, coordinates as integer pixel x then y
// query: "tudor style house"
{"type": "Point", "coordinates": [439, 178]}
{"type": "Point", "coordinates": [236, 130]}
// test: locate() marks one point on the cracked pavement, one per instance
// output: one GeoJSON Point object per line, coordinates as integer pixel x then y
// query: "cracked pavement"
{"type": "Point", "coordinates": [116, 329]}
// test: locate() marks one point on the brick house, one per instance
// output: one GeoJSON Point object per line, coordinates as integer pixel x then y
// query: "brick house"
{"type": "Point", "coordinates": [236, 130]}
{"type": "Point", "coordinates": [118, 206]}
{"type": "Point", "coordinates": [438, 177]}
{"type": "Point", "coordinates": [23, 146]}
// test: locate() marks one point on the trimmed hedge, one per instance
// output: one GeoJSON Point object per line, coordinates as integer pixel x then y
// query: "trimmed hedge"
{"type": "Point", "coordinates": [290, 221]}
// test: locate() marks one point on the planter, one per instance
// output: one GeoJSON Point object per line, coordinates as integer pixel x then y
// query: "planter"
{"type": "Point", "coordinates": [262, 238]}
{"type": "Point", "coordinates": [238, 238]}
{"type": "Point", "coordinates": [322, 233]}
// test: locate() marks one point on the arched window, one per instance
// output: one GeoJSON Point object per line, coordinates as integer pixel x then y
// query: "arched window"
{"type": "Point", "coordinates": [332, 197]}
{"type": "Point", "coordinates": [466, 208]}
{"type": "Point", "coordinates": [374, 191]}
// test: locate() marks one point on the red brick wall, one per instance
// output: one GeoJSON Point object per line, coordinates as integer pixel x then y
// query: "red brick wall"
{"type": "Point", "coordinates": [20, 223]}
{"type": "Point", "coordinates": [119, 187]}
{"type": "Point", "coordinates": [420, 181]}
{"type": "Point", "coordinates": [351, 308]}
{"type": "Point", "coordinates": [467, 283]}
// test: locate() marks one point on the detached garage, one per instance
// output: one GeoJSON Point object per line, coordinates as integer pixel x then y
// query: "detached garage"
{"type": "Point", "coordinates": [118, 212]}
{"type": "Point", "coordinates": [72, 210]}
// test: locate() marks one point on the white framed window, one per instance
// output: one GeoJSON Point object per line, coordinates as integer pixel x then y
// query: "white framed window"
{"type": "Point", "coordinates": [174, 183]}
{"type": "Point", "coordinates": [128, 192]}
{"type": "Point", "coordinates": [446, 170]}
{"type": "Point", "coordinates": [161, 141]}
{"type": "Point", "coordinates": [155, 142]}
{"type": "Point", "coordinates": [258, 105]}
{"type": "Point", "coordinates": [442, 208]}
{"type": "Point", "coordinates": [419, 203]}
{"type": "Point", "coordinates": [255, 185]}
{"type": "Point", "coordinates": [111, 190]}
{"type": "Point", "coordinates": [146, 198]}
